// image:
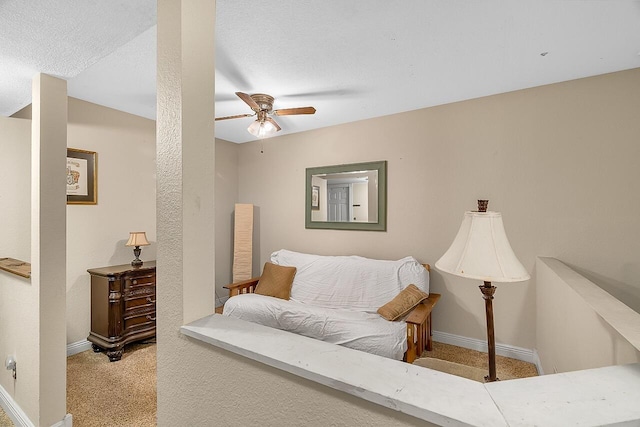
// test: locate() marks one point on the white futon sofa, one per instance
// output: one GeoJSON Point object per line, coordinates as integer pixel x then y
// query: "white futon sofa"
{"type": "Point", "coordinates": [336, 298]}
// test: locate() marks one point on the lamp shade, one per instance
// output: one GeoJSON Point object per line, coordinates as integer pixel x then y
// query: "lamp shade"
{"type": "Point", "coordinates": [137, 238]}
{"type": "Point", "coordinates": [482, 251]}
{"type": "Point", "coordinates": [262, 128]}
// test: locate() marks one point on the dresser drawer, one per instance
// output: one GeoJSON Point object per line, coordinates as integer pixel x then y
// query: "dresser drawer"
{"type": "Point", "coordinates": [139, 318]}
{"type": "Point", "coordinates": [143, 296]}
{"type": "Point", "coordinates": [131, 282]}
{"type": "Point", "coordinates": [139, 292]}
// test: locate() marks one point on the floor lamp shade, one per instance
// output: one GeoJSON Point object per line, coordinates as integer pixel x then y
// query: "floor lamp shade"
{"type": "Point", "coordinates": [482, 251]}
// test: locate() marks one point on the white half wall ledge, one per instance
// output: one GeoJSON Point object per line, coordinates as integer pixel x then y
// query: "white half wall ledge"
{"type": "Point", "coordinates": [621, 317]}
{"type": "Point", "coordinates": [423, 393]}
{"type": "Point", "coordinates": [593, 397]}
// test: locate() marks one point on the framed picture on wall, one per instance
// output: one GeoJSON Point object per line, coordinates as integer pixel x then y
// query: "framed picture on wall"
{"type": "Point", "coordinates": [315, 198]}
{"type": "Point", "coordinates": [82, 183]}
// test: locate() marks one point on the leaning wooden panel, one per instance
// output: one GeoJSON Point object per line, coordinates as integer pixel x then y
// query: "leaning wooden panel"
{"type": "Point", "coordinates": [243, 242]}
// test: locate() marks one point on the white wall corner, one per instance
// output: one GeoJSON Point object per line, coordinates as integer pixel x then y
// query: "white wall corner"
{"type": "Point", "coordinates": [13, 410]}
{"type": "Point", "coordinates": [67, 421]}
{"type": "Point", "coordinates": [506, 350]}
{"type": "Point", "coordinates": [537, 362]}
{"type": "Point", "coordinates": [78, 347]}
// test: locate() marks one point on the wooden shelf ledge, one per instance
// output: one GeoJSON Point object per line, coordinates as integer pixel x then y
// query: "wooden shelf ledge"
{"type": "Point", "coordinates": [15, 266]}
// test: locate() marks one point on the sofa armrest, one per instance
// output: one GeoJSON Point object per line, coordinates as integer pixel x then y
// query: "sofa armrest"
{"type": "Point", "coordinates": [423, 310]}
{"type": "Point", "coordinates": [419, 326]}
{"type": "Point", "coordinates": [244, 287]}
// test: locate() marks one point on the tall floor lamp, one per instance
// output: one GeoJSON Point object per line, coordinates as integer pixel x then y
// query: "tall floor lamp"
{"type": "Point", "coordinates": [482, 251]}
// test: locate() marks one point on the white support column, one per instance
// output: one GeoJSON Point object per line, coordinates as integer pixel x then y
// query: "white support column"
{"type": "Point", "coordinates": [198, 146]}
{"type": "Point", "coordinates": [48, 240]}
{"type": "Point", "coordinates": [185, 185]}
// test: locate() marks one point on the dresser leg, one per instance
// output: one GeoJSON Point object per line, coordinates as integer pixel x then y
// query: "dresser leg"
{"type": "Point", "coordinates": [114, 355]}
{"type": "Point", "coordinates": [96, 349]}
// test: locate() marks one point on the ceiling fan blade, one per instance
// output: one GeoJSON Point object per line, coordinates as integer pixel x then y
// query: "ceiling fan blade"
{"type": "Point", "coordinates": [237, 116]}
{"type": "Point", "coordinates": [273, 122]}
{"type": "Point", "coordinates": [293, 111]}
{"type": "Point", "coordinates": [250, 102]}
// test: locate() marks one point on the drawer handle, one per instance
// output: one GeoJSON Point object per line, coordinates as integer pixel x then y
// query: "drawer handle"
{"type": "Point", "coordinates": [150, 317]}
{"type": "Point", "coordinates": [135, 282]}
{"type": "Point", "coordinates": [151, 300]}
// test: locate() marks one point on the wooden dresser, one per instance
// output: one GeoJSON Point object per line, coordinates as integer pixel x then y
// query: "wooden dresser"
{"type": "Point", "coordinates": [123, 306]}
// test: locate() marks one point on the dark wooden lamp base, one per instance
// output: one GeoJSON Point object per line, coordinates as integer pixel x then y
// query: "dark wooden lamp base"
{"type": "Point", "coordinates": [487, 293]}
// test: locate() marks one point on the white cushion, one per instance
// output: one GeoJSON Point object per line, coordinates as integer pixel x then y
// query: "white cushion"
{"type": "Point", "coordinates": [357, 330]}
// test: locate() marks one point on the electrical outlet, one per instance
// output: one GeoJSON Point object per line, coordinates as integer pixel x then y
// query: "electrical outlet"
{"type": "Point", "coordinates": [10, 364]}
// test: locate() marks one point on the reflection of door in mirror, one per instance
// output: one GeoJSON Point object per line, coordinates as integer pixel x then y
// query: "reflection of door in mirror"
{"type": "Point", "coordinates": [360, 202]}
{"type": "Point", "coordinates": [338, 203]}
{"type": "Point", "coordinates": [347, 196]}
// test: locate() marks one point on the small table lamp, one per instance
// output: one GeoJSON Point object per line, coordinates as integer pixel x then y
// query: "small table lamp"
{"type": "Point", "coordinates": [482, 251]}
{"type": "Point", "coordinates": [137, 239]}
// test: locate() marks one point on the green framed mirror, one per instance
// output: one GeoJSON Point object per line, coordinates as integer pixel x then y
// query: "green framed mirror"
{"type": "Point", "coordinates": [347, 197]}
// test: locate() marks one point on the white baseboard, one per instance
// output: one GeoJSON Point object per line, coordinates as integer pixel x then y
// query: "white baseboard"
{"type": "Point", "coordinates": [78, 347]}
{"type": "Point", "coordinates": [13, 410]}
{"type": "Point", "coordinates": [519, 353]}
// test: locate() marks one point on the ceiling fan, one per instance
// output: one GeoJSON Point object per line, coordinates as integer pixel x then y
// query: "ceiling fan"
{"type": "Point", "coordinates": [262, 106]}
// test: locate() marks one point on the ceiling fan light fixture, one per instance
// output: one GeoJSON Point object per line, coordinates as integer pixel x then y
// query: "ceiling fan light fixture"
{"type": "Point", "coordinates": [262, 129]}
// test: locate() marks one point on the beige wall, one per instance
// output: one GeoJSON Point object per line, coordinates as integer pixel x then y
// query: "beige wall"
{"type": "Point", "coordinates": [558, 161]}
{"type": "Point", "coordinates": [15, 199]}
{"type": "Point", "coordinates": [18, 298]}
{"type": "Point", "coordinates": [592, 322]}
{"type": "Point", "coordinates": [226, 196]}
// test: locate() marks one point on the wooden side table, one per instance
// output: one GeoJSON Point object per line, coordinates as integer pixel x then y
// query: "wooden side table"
{"type": "Point", "coordinates": [123, 307]}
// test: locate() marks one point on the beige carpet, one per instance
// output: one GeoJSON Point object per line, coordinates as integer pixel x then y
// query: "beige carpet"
{"type": "Point", "coordinates": [5, 421]}
{"type": "Point", "coordinates": [472, 364]}
{"type": "Point", "coordinates": [115, 394]}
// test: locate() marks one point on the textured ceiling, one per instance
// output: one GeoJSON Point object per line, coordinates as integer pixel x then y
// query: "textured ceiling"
{"type": "Point", "coordinates": [351, 60]}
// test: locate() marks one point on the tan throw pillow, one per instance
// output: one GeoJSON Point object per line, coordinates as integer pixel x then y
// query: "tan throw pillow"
{"type": "Point", "coordinates": [403, 303]}
{"type": "Point", "coordinates": [276, 281]}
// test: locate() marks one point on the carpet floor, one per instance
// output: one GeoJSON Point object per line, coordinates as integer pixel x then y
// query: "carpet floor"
{"type": "Point", "coordinates": [5, 421]}
{"type": "Point", "coordinates": [123, 394]}
{"type": "Point", "coordinates": [472, 364]}
{"type": "Point", "coordinates": [115, 394]}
